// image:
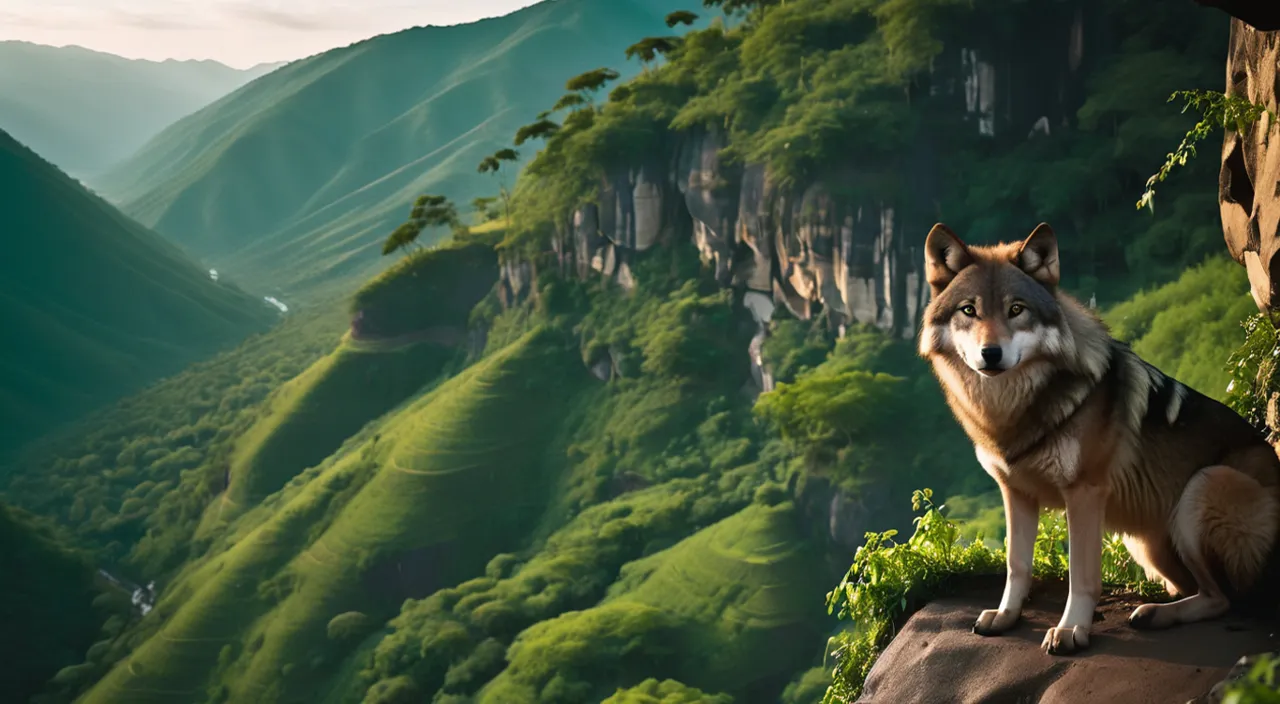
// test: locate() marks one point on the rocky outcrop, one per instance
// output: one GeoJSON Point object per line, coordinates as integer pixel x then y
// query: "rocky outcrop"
{"type": "Point", "coordinates": [937, 658]}
{"type": "Point", "coordinates": [1249, 180]}
{"type": "Point", "coordinates": [837, 246]}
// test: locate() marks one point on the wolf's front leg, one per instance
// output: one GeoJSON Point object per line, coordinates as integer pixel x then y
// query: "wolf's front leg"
{"type": "Point", "coordinates": [1085, 507]}
{"type": "Point", "coordinates": [1022, 520]}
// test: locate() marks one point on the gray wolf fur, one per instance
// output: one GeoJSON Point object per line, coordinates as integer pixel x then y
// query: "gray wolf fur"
{"type": "Point", "coordinates": [1064, 416]}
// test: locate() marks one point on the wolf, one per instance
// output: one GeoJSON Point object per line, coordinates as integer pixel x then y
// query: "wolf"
{"type": "Point", "coordinates": [1062, 415]}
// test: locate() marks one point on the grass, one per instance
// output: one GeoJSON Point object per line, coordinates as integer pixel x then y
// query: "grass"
{"type": "Point", "coordinates": [308, 418]}
{"type": "Point", "coordinates": [243, 182]}
{"type": "Point", "coordinates": [440, 486]}
{"type": "Point", "coordinates": [97, 305]}
{"type": "Point", "coordinates": [427, 289]}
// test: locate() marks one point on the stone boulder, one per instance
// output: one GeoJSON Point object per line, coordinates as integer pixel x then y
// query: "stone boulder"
{"type": "Point", "coordinates": [937, 658]}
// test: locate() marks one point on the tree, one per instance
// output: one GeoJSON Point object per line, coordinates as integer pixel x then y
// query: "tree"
{"type": "Point", "coordinates": [649, 48]}
{"type": "Point", "coordinates": [683, 17]}
{"type": "Point", "coordinates": [483, 206]}
{"type": "Point", "coordinates": [492, 164]}
{"type": "Point", "coordinates": [591, 81]}
{"type": "Point", "coordinates": [427, 211]}
{"type": "Point", "coordinates": [539, 130]}
{"type": "Point", "coordinates": [570, 101]}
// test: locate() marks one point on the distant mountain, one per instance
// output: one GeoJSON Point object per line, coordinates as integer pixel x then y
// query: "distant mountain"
{"type": "Point", "coordinates": [295, 179]}
{"type": "Point", "coordinates": [85, 110]}
{"type": "Point", "coordinates": [92, 304]}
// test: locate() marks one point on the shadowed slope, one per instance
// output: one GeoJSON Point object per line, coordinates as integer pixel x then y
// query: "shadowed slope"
{"type": "Point", "coordinates": [446, 483]}
{"type": "Point", "coordinates": [45, 606]}
{"type": "Point", "coordinates": [94, 304]}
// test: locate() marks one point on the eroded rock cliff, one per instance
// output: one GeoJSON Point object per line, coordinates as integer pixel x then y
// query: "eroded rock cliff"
{"type": "Point", "coordinates": [845, 246]}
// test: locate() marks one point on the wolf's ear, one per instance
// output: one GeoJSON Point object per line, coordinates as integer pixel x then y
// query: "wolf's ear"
{"type": "Point", "coordinates": [1038, 256]}
{"type": "Point", "coordinates": [944, 257]}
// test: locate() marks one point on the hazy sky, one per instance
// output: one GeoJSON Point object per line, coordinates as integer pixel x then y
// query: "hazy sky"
{"type": "Point", "coordinates": [236, 32]}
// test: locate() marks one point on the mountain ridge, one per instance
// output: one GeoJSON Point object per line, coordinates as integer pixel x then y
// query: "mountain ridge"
{"type": "Point", "coordinates": [101, 304]}
{"type": "Point", "coordinates": [276, 169]}
{"type": "Point", "coordinates": [85, 109]}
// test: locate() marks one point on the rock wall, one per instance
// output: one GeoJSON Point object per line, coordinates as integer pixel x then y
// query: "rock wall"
{"type": "Point", "coordinates": [1249, 180]}
{"type": "Point", "coordinates": [832, 247]}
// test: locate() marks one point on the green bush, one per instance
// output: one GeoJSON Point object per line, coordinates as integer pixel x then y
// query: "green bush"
{"type": "Point", "coordinates": [349, 626]}
{"type": "Point", "coordinates": [651, 691]}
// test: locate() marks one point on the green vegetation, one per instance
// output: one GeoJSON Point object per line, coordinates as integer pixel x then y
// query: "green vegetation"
{"type": "Point", "coordinates": [889, 581]}
{"type": "Point", "coordinates": [589, 502]}
{"type": "Point", "coordinates": [1261, 685]}
{"type": "Point", "coordinates": [1218, 110]}
{"type": "Point", "coordinates": [651, 691]}
{"type": "Point", "coordinates": [1190, 327]}
{"type": "Point", "coordinates": [723, 610]}
{"type": "Point", "coordinates": [85, 110]}
{"type": "Point", "coordinates": [46, 605]}
{"type": "Point", "coordinates": [428, 211]}
{"type": "Point", "coordinates": [807, 87]}
{"type": "Point", "coordinates": [856, 416]}
{"type": "Point", "coordinates": [95, 305]}
{"type": "Point", "coordinates": [441, 486]}
{"type": "Point", "coordinates": [133, 480]}
{"type": "Point", "coordinates": [312, 415]}
{"type": "Point", "coordinates": [430, 289]}
{"type": "Point", "coordinates": [1255, 387]}
{"type": "Point", "coordinates": [243, 183]}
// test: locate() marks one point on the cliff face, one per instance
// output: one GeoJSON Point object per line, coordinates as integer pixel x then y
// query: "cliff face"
{"type": "Point", "coordinates": [838, 246]}
{"type": "Point", "coordinates": [1249, 181]}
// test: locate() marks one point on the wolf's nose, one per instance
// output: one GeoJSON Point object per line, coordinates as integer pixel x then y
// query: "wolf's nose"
{"type": "Point", "coordinates": [992, 355]}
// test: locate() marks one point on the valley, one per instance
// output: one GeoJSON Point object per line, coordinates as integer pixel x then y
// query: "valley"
{"type": "Point", "coordinates": [615, 433]}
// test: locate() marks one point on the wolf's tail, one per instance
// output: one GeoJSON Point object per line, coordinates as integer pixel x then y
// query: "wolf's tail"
{"type": "Point", "coordinates": [1232, 522]}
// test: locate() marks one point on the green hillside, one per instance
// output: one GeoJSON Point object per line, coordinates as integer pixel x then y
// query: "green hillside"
{"type": "Point", "coordinates": [410, 322]}
{"type": "Point", "coordinates": [313, 165]}
{"type": "Point", "coordinates": [87, 111]}
{"type": "Point", "coordinates": [449, 481]}
{"type": "Point", "coordinates": [93, 304]}
{"type": "Point", "coordinates": [46, 605]}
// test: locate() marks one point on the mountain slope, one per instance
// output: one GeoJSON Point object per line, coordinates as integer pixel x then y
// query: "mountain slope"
{"type": "Point", "coordinates": [93, 304]}
{"type": "Point", "coordinates": [453, 478]}
{"type": "Point", "coordinates": [86, 110]}
{"type": "Point", "coordinates": [314, 164]}
{"type": "Point", "coordinates": [45, 604]}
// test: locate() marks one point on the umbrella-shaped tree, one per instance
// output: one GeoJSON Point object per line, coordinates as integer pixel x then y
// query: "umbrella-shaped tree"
{"type": "Point", "coordinates": [492, 164]}
{"type": "Point", "coordinates": [428, 211]}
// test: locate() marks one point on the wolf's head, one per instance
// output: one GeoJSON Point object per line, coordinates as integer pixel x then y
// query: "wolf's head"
{"type": "Point", "coordinates": [993, 307]}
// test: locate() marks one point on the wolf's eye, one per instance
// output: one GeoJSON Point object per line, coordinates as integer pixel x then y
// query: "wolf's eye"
{"type": "Point", "coordinates": [969, 311]}
{"type": "Point", "coordinates": [1015, 310]}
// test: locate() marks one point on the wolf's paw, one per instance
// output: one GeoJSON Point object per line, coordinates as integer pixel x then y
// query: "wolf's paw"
{"type": "Point", "coordinates": [1065, 641]}
{"type": "Point", "coordinates": [993, 622]}
{"type": "Point", "coordinates": [1149, 617]}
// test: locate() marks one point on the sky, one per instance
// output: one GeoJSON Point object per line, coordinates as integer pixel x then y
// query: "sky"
{"type": "Point", "coordinates": [239, 33]}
